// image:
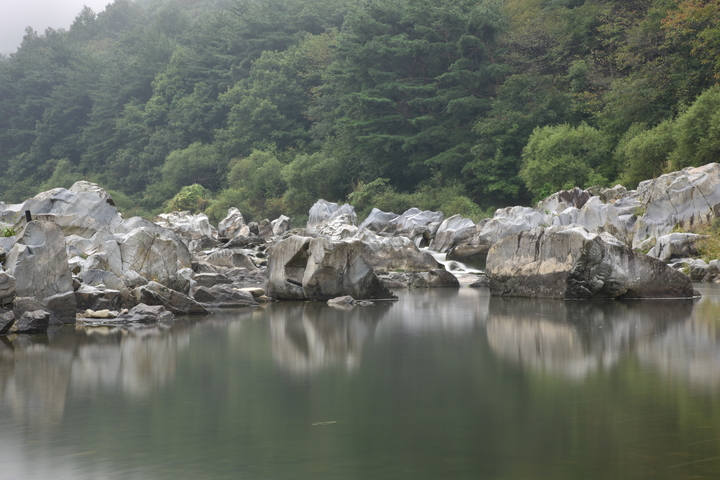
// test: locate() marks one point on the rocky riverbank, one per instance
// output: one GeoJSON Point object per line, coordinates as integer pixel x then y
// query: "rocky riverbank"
{"type": "Point", "coordinates": [79, 259]}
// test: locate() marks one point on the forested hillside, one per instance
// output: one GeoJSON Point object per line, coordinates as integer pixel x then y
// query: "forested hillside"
{"type": "Point", "coordinates": [268, 105]}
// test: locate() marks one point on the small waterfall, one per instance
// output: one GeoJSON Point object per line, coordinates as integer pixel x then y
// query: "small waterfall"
{"type": "Point", "coordinates": [453, 265]}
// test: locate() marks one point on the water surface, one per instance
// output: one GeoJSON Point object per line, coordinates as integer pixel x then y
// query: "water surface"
{"type": "Point", "coordinates": [445, 383]}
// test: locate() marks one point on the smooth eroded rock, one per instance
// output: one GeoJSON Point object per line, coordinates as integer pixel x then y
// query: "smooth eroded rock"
{"type": "Point", "coordinates": [319, 269]}
{"type": "Point", "coordinates": [572, 263]}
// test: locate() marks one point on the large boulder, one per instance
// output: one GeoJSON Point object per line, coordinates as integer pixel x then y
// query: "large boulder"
{"type": "Point", "coordinates": [675, 245]}
{"type": "Point", "coordinates": [224, 296]}
{"type": "Point", "coordinates": [178, 303]}
{"type": "Point", "coordinates": [452, 231]}
{"type": "Point", "coordinates": [394, 253]}
{"type": "Point", "coordinates": [7, 320]}
{"type": "Point", "coordinates": [557, 202]}
{"type": "Point", "coordinates": [84, 200]}
{"type": "Point", "coordinates": [324, 211]}
{"type": "Point", "coordinates": [36, 321]}
{"type": "Point", "coordinates": [131, 225]}
{"type": "Point", "coordinates": [153, 256]}
{"type": "Point", "coordinates": [337, 228]}
{"type": "Point", "coordinates": [414, 217]}
{"type": "Point", "coordinates": [188, 226]}
{"type": "Point", "coordinates": [687, 198]}
{"type": "Point", "coordinates": [378, 221]}
{"type": "Point", "coordinates": [232, 224]}
{"type": "Point", "coordinates": [39, 263]}
{"type": "Point", "coordinates": [307, 268]}
{"type": "Point", "coordinates": [430, 279]}
{"type": "Point", "coordinates": [7, 288]}
{"type": "Point", "coordinates": [572, 263]}
{"type": "Point", "coordinates": [508, 221]}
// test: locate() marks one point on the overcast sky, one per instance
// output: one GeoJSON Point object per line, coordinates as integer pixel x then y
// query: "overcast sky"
{"type": "Point", "coordinates": [16, 15]}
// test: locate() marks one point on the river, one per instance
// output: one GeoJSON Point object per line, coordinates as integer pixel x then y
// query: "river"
{"type": "Point", "coordinates": [444, 383]}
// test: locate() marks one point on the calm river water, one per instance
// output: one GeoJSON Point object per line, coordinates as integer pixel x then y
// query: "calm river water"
{"type": "Point", "coordinates": [441, 384]}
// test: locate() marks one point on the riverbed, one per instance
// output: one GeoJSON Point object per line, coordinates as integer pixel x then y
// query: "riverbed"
{"type": "Point", "coordinates": [444, 383]}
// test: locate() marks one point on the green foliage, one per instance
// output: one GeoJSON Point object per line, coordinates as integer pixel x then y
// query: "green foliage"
{"type": "Point", "coordinates": [436, 195]}
{"type": "Point", "coordinates": [408, 82]}
{"type": "Point", "coordinates": [227, 199]}
{"type": "Point", "coordinates": [697, 132]}
{"type": "Point", "coordinates": [197, 163]}
{"type": "Point", "coordinates": [312, 96]}
{"type": "Point", "coordinates": [643, 154]}
{"type": "Point", "coordinates": [709, 246]}
{"type": "Point", "coordinates": [193, 198]}
{"type": "Point", "coordinates": [562, 156]}
{"type": "Point", "coordinates": [310, 177]}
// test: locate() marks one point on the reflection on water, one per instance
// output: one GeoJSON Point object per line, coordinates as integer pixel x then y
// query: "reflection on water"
{"type": "Point", "coordinates": [36, 371]}
{"type": "Point", "coordinates": [443, 382]}
{"type": "Point", "coordinates": [306, 337]}
{"type": "Point", "coordinates": [574, 338]}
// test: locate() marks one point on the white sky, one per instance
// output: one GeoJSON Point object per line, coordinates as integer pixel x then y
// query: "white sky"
{"type": "Point", "coordinates": [16, 15]}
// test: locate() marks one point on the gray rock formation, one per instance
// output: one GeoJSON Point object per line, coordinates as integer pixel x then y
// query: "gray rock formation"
{"type": "Point", "coordinates": [324, 211]}
{"type": "Point", "coordinates": [156, 294]}
{"type": "Point", "coordinates": [394, 253]}
{"type": "Point", "coordinates": [378, 221]}
{"type": "Point", "coordinates": [686, 198]}
{"type": "Point", "coordinates": [39, 263]}
{"type": "Point", "coordinates": [7, 288]}
{"type": "Point", "coordinates": [572, 263]}
{"type": "Point", "coordinates": [232, 224]}
{"type": "Point", "coordinates": [188, 226]}
{"type": "Point", "coordinates": [7, 320]}
{"type": "Point", "coordinates": [36, 321]}
{"type": "Point", "coordinates": [452, 231]}
{"type": "Point", "coordinates": [675, 245]}
{"type": "Point", "coordinates": [305, 268]}
{"type": "Point", "coordinates": [224, 296]}
{"type": "Point", "coordinates": [94, 298]}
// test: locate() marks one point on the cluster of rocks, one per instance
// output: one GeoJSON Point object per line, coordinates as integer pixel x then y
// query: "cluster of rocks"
{"type": "Point", "coordinates": [78, 254]}
{"type": "Point", "coordinates": [605, 243]}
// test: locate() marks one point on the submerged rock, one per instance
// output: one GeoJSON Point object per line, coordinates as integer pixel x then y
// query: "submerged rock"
{"type": "Point", "coordinates": [572, 263]}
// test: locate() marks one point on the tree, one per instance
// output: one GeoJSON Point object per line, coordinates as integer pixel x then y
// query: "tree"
{"type": "Point", "coordinates": [197, 163]}
{"type": "Point", "coordinates": [643, 153]}
{"type": "Point", "coordinates": [408, 81]}
{"type": "Point", "coordinates": [697, 132]}
{"type": "Point", "coordinates": [561, 157]}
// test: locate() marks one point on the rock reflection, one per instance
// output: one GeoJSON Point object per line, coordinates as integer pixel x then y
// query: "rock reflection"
{"type": "Point", "coordinates": [455, 310]}
{"type": "Point", "coordinates": [308, 337]}
{"type": "Point", "coordinates": [574, 339]}
{"type": "Point", "coordinates": [689, 352]}
{"type": "Point", "coordinates": [36, 371]}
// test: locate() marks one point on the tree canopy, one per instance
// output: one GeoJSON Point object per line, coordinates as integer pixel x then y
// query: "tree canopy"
{"type": "Point", "coordinates": [268, 105]}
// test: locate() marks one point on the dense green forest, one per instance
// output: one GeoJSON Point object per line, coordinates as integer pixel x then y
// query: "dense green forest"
{"type": "Point", "coordinates": [268, 105]}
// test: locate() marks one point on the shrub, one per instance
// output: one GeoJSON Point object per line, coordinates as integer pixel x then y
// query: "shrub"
{"type": "Point", "coordinates": [193, 198]}
{"type": "Point", "coordinates": [561, 156]}
{"type": "Point", "coordinates": [697, 132]}
{"type": "Point", "coordinates": [644, 154]}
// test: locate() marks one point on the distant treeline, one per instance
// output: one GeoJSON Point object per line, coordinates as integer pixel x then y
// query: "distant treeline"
{"type": "Point", "coordinates": [268, 105]}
